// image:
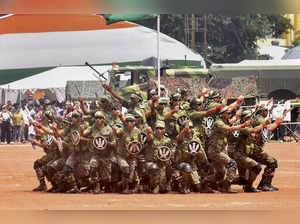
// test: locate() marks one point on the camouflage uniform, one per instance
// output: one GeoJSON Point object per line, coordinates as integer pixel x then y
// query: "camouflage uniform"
{"type": "Point", "coordinates": [159, 156]}
{"type": "Point", "coordinates": [264, 158]}
{"type": "Point", "coordinates": [101, 154]}
{"type": "Point", "coordinates": [80, 154]}
{"type": "Point", "coordinates": [40, 165]}
{"type": "Point", "coordinates": [242, 153]}
{"type": "Point", "coordinates": [127, 154]}
{"type": "Point", "coordinates": [225, 167]}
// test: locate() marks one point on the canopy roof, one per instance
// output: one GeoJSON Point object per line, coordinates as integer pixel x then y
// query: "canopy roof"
{"type": "Point", "coordinates": [30, 44]}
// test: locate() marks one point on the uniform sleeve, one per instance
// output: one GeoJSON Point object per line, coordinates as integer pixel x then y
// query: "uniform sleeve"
{"type": "Point", "coordinates": [111, 137]}
{"type": "Point", "coordinates": [197, 115]}
{"type": "Point", "coordinates": [245, 131]}
{"type": "Point", "coordinates": [221, 126]}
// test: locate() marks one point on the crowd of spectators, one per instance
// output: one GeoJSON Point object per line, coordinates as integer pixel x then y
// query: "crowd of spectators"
{"type": "Point", "coordinates": [15, 120]}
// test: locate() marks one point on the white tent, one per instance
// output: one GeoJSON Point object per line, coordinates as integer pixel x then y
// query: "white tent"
{"type": "Point", "coordinates": [28, 42]}
{"type": "Point", "coordinates": [58, 77]}
{"type": "Point", "coordinates": [275, 52]}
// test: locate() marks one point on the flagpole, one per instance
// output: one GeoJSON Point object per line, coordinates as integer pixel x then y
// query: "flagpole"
{"type": "Point", "coordinates": [158, 55]}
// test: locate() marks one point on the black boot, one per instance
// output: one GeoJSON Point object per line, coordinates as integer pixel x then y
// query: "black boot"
{"type": "Point", "coordinates": [41, 187]}
{"type": "Point", "coordinates": [225, 187]}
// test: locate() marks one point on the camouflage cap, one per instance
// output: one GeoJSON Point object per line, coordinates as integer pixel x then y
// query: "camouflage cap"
{"type": "Point", "coordinates": [99, 114]}
{"type": "Point", "coordinates": [247, 113]}
{"type": "Point", "coordinates": [136, 96]}
{"type": "Point", "coordinates": [188, 123]}
{"type": "Point", "coordinates": [160, 124]}
{"type": "Point", "coordinates": [176, 96]}
{"type": "Point", "coordinates": [137, 114]}
{"type": "Point", "coordinates": [152, 92]}
{"type": "Point", "coordinates": [163, 100]}
{"type": "Point", "coordinates": [213, 94]}
{"type": "Point", "coordinates": [129, 117]}
{"type": "Point", "coordinates": [48, 114]}
{"type": "Point", "coordinates": [195, 101]}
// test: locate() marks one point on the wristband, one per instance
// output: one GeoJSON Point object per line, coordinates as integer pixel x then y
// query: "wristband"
{"type": "Point", "coordinates": [202, 94]}
{"type": "Point", "coordinates": [278, 122]}
{"type": "Point", "coordinates": [243, 125]}
{"type": "Point", "coordinates": [109, 88]}
{"type": "Point", "coordinates": [82, 102]}
{"type": "Point", "coordinates": [219, 107]}
{"type": "Point", "coordinates": [238, 101]}
{"type": "Point", "coordinates": [265, 124]}
{"type": "Point", "coordinates": [173, 112]}
{"type": "Point", "coordinates": [154, 100]}
{"type": "Point", "coordinates": [39, 126]}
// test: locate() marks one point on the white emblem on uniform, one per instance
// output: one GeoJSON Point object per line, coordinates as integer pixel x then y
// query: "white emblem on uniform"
{"type": "Point", "coordinates": [194, 147]}
{"type": "Point", "coordinates": [182, 119]}
{"type": "Point", "coordinates": [265, 134]}
{"type": "Point", "coordinates": [236, 134]}
{"type": "Point", "coordinates": [134, 147]}
{"type": "Point", "coordinates": [164, 153]}
{"type": "Point", "coordinates": [100, 142]}
{"type": "Point", "coordinates": [75, 137]}
{"type": "Point", "coordinates": [210, 123]}
{"type": "Point", "coordinates": [50, 139]}
{"type": "Point", "coordinates": [143, 138]}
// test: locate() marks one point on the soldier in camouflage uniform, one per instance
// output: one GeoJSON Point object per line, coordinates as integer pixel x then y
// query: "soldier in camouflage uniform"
{"type": "Point", "coordinates": [127, 153]}
{"type": "Point", "coordinates": [174, 116]}
{"type": "Point", "coordinates": [259, 155]}
{"type": "Point", "coordinates": [159, 158]}
{"type": "Point", "coordinates": [79, 150]}
{"type": "Point", "coordinates": [189, 154]}
{"type": "Point", "coordinates": [225, 167]}
{"type": "Point", "coordinates": [50, 148]}
{"type": "Point", "coordinates": [101, 143]}
{"type": "Point", "coordinates": [243, 150]}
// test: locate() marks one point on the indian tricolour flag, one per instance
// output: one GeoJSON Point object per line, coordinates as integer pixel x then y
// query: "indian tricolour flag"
{"type": "Point", "coordinates": [31, 44]}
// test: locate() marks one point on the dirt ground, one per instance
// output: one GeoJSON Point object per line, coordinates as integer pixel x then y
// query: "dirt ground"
{"type": "Point", "coordinates": [17, 179]}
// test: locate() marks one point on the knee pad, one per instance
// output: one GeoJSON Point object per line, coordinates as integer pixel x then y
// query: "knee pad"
{"type": "Point", "coordinates": [256, 169]}
{"type": "Point", "coordinates": [231, 164]}
{"type": "Point", "coordinates": [51, 171]}
{"type": "Point", "coordinates": [153, 169]}
{"type": "Point", "coordinates": [36, 165]}
{"type": "Point", "coordinates": [67, 169]}
{"type": "Point", "coordinates": [186, 167]}
{"type": "Point", "coordinates": [125, 171]}
{"type": "Point", "coordinates": [273, 165]}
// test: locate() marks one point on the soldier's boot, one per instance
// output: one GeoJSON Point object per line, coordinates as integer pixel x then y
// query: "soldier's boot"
{"type": "Point", "coordinates": [58, 179]}
{"type": "Point", "coordinates": [254, 172]}
{"type": "Point", "coordinates": [125, 186]}
{"type": "Point", "coordinates": [240, 181]}
{"type": "Point", "coordinates": [196, 187]}
{"type": "Point", "coordinates": [184, 187]}
{"type": "Point", "coordinates": [265, 183]}
{"type": "Point", "coordinates": [205, 188]}
{"type": "Point", "coordinates": [71, 181]}
{"type": "Point", "coordinates": [41, 187]}
{"type": "Point", "coordinates": [41, 178]}
{"type": "Point", "coordinates": [96, 188]}
{"type": "Point", "coordinates": [225, 187]}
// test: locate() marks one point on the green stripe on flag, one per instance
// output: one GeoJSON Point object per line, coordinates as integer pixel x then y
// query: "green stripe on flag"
{"type": "Point", "coordinates": [113, 18]}
{"type": "Point", "coordinates": [11, 75]}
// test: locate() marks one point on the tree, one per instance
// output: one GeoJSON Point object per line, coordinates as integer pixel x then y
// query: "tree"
{"type": "Point", "coordinates": [230, 38]}
{"type": "Point", "coordinates": [297, 39]}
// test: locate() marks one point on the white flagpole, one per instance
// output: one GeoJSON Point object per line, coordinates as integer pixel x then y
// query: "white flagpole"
{"type": "Point", "coordinates": [158, 55]}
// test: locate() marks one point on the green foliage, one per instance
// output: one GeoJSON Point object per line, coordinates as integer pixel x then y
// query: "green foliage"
{"type": "Point", "coordinates": [297, 39]}
{"type": "Point", "coordinates": [230, 38]}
